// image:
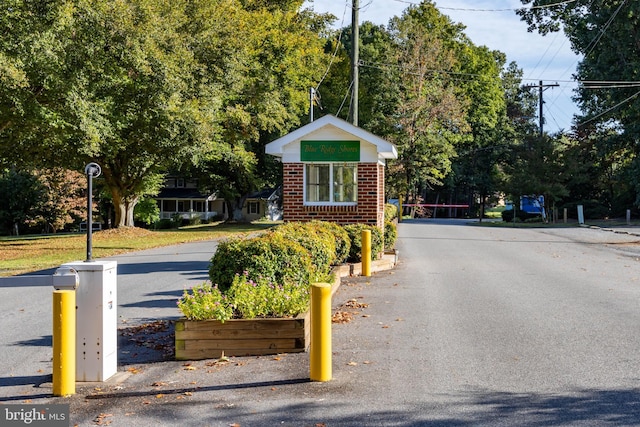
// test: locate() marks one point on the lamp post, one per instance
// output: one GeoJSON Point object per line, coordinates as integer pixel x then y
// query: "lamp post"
{"type": "Point", "coordinates": [92, 170]}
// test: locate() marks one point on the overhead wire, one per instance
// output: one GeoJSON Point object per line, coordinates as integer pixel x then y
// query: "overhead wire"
{"type": "Point", "coordinates": [468, 76]}
{"type": "Point", "coordinates": [597, 116]}
{"type": "Point", "coordinates": [465, 9]}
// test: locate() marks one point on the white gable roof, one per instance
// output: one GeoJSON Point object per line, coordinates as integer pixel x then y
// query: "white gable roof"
{"type": "Point", "coordinates": [330, 128]}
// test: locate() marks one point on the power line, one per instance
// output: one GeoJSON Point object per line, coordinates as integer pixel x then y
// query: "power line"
{"type": "Point", "coordinates": [464, 9]}
{"type": "Point", "coordinates": [609, 109]}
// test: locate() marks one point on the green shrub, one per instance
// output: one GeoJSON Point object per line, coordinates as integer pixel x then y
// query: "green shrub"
{"type": "Point", "coordinates": [205, 302]}
{"type": "Point", "coordinates": [390, 234]}
{"type": "Point", "coordinates": [271, 256]}
{"type": "Point", "coordinates": [316, 240]}
{"type": "Point", "coordinates": [355, 235]}
{"type": "Point", "coordinates": [340, 238]}
{"type": "Point", "coordinates": [521, 216]}
{"type": "Point", "coordinates": [146, 211]}
{"type": "Point", "coordinates": [245, 299]}
{"type": "Point", "coordinates": [163, 224]}
{"type": "Point", "coordinates": [261, 298]}
{"type": "Point", "coordinates": [390, 212]}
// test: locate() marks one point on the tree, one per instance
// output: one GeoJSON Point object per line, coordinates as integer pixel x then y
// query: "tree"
{"type": "Point", "coordinates": [265, 72]}
{"type": "Point", "coordinates": [21, 194]}
{"type": "Point", "coordinates": [537, 168]}
{"type": "Point", "coordinates": [64, 198]}
{"type": "Point", "coordinates": [119, 82]}
{"type": "Point", "coordinates": [145, 86]}
{"type": "Point", "coordinates": [606, 33]}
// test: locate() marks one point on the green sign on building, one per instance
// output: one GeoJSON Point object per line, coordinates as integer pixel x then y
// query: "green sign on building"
{"type": "Point", "coordinates": [330, 151]}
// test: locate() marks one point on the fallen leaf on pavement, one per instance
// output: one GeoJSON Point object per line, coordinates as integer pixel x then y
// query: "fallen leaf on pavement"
{"type": "Point", "coordinates": [101, 420]}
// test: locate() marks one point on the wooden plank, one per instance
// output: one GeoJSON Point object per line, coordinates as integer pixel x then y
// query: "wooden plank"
{"type": "Point", "coordinates": [200, 354]}
{"type": "Point", "coordinates": [215, 334]}
{"type": "Point", "coordinates": [267, 344]}
{"type": "Point", "coordinates": [242, 324]}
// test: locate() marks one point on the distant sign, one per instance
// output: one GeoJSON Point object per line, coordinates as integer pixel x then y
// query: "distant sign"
{"type": "Point", "coordinates": [330, 151]}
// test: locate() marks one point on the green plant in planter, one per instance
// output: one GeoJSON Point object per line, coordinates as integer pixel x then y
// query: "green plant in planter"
{"type": "Point", "coordinates": [340, 237]}
{"type": "Point", "coordinates": [205, 302]}
{"type": "Point", "coordinates": [261, 298]}
{"type": "Point", "coordinates": [245, 299]}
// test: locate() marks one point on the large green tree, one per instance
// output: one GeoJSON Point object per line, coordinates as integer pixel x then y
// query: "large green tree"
{"type": "Point", "coordinates": [145, 86]}
{"type": "Point", "coordinates": [606, 33]}
{"type": "Point", "coordinates": [267, 57]}
{"type": "Point", "coordinates": [110, 81]}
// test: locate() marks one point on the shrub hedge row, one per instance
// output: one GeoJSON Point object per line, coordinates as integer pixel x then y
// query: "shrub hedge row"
{"type": "Point", "coordinates": [294, 253]}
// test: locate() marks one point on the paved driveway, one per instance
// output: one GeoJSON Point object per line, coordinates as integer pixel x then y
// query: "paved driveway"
{"type": "Point", "coordinates": [475, 326]}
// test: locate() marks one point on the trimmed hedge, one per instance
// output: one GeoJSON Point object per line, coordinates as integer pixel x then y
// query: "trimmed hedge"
{"type": "Point", "coordinates": [340, 237]}
{"type": "Point", "coordinates": [271, 256]}
{"type": "Point", "coordinates": [390, 234]}
{"type": "Point", "coordinates": [390, 212]}
{"type": "Point", "coordinates": [294, 253]}
{"type": "Point", "coordinates": [318, 242]}
{"type": "Point", "coordinates": [355, 235]}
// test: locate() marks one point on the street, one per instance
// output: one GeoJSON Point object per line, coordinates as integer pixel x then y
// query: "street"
{"type": "Point", "coordinates": [149, 283]}
{"type": "Point", "coordinates": [475, 326]}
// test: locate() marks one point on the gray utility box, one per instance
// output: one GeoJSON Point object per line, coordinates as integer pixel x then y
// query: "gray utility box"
{"type": "Point", "coordinates": [96, 320]}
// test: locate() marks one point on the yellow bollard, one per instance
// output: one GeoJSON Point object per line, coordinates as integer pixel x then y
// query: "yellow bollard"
{"type": "Point", "coordinates": [64, 342]}
{"type": "Point", "coordinates": [320, 354]}
{"type": "Point", "coordinates": [366, 253]}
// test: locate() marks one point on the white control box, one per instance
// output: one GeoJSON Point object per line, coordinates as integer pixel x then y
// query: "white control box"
{"type": "Point", "coordinates": [96, 320]}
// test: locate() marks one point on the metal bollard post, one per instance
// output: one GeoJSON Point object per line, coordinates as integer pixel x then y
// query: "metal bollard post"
{"type": "Point", "coordinates": [65, 282]}
{"type": "Point", "coordinates": [64, 342]}
{"type": "Point", "coordinates": [366, 253]}
{"type": "Point", "coordinates": [320, 354]}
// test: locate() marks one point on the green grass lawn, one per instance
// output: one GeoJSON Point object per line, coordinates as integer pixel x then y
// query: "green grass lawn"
{"type": "Point", "coordinates": [32, 253]}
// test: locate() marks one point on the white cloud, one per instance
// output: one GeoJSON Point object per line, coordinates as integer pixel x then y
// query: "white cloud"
{"type": "Point", "coordinates": [492, 23]}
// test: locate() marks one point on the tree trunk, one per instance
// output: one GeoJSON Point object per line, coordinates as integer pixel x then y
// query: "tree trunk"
{"type": "Point", "coordinates": [235, 209]}
{"type": "Point", "coordinates": [124, 209]}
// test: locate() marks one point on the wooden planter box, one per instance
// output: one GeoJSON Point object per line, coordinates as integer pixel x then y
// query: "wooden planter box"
{"type": "Point", "coordinates": [209, 339]}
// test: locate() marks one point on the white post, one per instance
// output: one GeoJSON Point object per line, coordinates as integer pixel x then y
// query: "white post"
{"type": "Point", "coordinates": [580, 214]}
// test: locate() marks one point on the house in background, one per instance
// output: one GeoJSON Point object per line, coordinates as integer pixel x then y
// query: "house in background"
{"type": "Point", "coordinates": [181, 196]}
{"type": "Point", "coordinates": [264, 204]}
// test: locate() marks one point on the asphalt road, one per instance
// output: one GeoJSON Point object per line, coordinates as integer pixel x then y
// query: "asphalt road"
{"type": "Point", "coordinates": [149, 284]}
{"type": "Point", "coordinates": [475, 326]}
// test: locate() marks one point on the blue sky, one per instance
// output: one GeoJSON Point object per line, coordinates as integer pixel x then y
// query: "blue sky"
{"type": "Point", "coordinates": [492, 23]}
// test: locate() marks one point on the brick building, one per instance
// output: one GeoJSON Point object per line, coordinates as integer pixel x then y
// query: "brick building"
{"type": "Point", "coordinates": [333, 171]}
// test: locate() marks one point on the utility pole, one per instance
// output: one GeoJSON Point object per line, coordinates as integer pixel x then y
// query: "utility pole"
{"type": "Point", "coordinates": [355, 58]}
{"type": "Point", "coordinates": [312, 95]}
{"type": "Point", "coordinates": [541, 88]}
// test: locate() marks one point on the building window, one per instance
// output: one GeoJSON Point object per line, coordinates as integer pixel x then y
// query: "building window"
{"type": "Point", "coordinates": [253, 208]}
{"type": "Point", "coordinates": [331, 183]}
